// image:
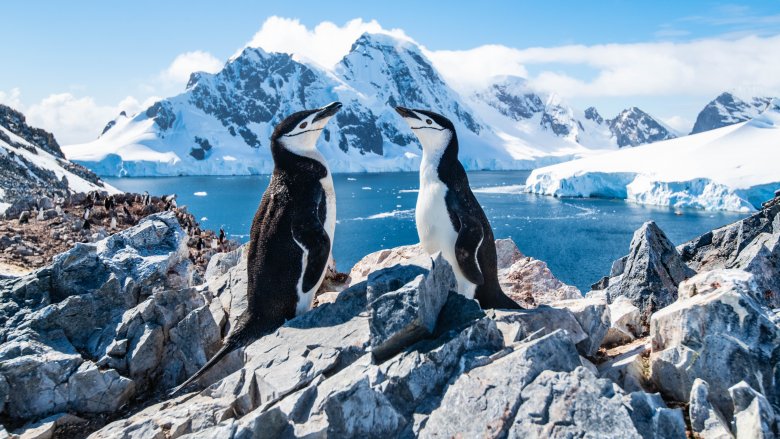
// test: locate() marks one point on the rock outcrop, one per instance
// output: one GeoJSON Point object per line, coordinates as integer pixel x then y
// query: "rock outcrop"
{"type": "Point", "coordinates": [722, 336]}
{"type": "Point", "coordinates": [752, 244]}
{"type": "Point", "coordinates": [648, 276]}
{"type": "Point", "coordinates": [101, 324]}
{"type": "Point", "coordinates": [525, 280]}
{"type": "Point", "coordinates": [94, 340]}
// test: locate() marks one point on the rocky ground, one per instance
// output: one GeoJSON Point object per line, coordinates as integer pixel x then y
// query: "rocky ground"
{"type": "Point", "coordinates": [675, 341]}
{"type": "Point", "coordinates": [35, 229]}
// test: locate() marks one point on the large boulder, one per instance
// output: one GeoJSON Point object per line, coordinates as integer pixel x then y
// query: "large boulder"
{"type": "Point", "coordinates": [404, 303]}
{"type": "Point", "coordinates": [754, 416]}
{"type": "Point", "coordinates": [722, 336]}
{"type": "Point", "coordinates": [706, 421]}
{"type": "Point", "coordinates": [525, 280]}
{"type": "Point", "coordinates": [529, 281]}
{"type": "Point", "coordinates": [625, 322]}
{"type": "Point", "coordinates": [471, 408]}
{"type": "Point", "coordinates": [752, 244]}
{"type": "Point", "coordinates": [649, 274]}
{"type": "Point", "coordinates": [593, 315]}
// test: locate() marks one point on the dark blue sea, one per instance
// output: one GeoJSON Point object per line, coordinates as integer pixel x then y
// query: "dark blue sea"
{"type": "Point", "coordinates": [578, 238]}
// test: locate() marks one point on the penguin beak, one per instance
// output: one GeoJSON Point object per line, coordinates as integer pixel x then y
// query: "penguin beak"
{"type": "Point", "coordinates": [327, 111]}
{"type": "Point", "coordinates": [406, 113]}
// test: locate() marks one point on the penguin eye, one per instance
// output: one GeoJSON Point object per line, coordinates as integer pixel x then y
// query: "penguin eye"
{"type": "Point", "coordinates": [428, 121]}
{"type": "Point", "coordinates": [303, 125]}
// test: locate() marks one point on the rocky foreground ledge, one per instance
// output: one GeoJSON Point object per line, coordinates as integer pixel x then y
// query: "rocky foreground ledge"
{"type": "Point", "coordinates": [675, 341]}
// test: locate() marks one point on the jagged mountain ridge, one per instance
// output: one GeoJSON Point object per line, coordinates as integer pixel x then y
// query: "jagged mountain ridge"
{"type": "Point", "coordinates": [515, 100]}
{"type": "Point", "coordinates": [222, 122]}
{"type": "Point", "coordinates": [32, 163]}
{"type": "Point", "coordinates": [728, 109]}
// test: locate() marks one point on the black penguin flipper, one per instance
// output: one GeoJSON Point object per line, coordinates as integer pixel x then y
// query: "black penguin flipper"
{"type": "Point", "coordinates": [309, 233]}
{"type": "Point", "coordinates": [467, 244]}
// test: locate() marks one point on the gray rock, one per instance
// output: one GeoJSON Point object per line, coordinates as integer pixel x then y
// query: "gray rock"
{"type": "Point", "coordinates": [627, 370]}
{"type": "Point", "coordinates": [507, 253]}
{"type": "Point", "coordinates": [471, 408]}
{"type": "Point", "coordinates": [625, 322]}
{"type": "Point", "coordinates": [74, 335]}
{"type": "Point", "coordinates": [753, 415]}
{"type": "Point", "coordinates": [525, 280]}
{"type": "Point", "coordinates": [529, 324]}
{"type": "Point", "coordinates": [716, 337]}
{"type": "Point", "coordinates": [530, 282]}
{"type": "Point", "coordinates": [705, 419]}
{"type": "Point", "coordinates": [652, 418]}
{"type": "Point", "coordinates": [45, 428]}
{"type": "Point", "coordinates": [404, 255]}
{"type": "Point", "coordinates": [145, 350]}
{"type": "Point", "coordinates": [752, 244]}
{"type": "Point", "coordinates": [592, 313]}
{"type": "Point", "coordinates": [652, 271]}
{"type": "Point", "coordinates": [91, 390]}
{"type": "Point", "coordinates": [400, 316]}
{"type": "Point", "coordinates": [572, 404]}
{"type": "Point", "coordinates": [220, 263]}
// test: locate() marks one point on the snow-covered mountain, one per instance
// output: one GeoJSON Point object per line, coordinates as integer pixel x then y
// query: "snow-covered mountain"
{"type": "Point", "coordinates": [727, 109]}
{"type": "Point", "coordinates": [514, 99]}
{"type": "Point", "coordinates": [32, 164]}
{"type": "Point", "coordinates": [728, 168]}
{"type": "Point", "coordinates": [222, 122]}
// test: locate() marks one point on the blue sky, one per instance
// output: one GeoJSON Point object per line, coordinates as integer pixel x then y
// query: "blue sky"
{"type": "Point", "coordinates": [106, 53]}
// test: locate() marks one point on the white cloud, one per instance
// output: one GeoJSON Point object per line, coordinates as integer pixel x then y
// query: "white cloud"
{"type": "Point", "coordinates": [78, 119]}
{"type": "Point", "coordinates": [679, 124]}
{"type": "Point", "coordinates": [697, 68]}
{"type": "Point", "coordinates": [468, 69]}
{"type": "Point", "coordinates": [185, 64]}
{"type": "Point", "coordinates": [75, 119]}
{"type": "Point", "coordinates": [12, 98]}
{"type": "Point", "coordinates": [325, 44]}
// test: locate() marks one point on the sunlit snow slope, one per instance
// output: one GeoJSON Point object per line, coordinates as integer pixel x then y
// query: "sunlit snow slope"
{"type": "Point", "coordinates": [730, 168]}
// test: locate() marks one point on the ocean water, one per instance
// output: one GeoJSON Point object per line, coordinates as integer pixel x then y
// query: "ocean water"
{"type": "Point", "coordinates": [578, 238]}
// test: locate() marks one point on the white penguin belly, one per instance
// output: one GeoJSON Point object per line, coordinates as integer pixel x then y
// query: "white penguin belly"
{"type": "Point", "coordinates": [306, 298]}
{"type": "Point", "coordinates": [433, 221]}
{"type": "Point", "coordinates": [436, 231]}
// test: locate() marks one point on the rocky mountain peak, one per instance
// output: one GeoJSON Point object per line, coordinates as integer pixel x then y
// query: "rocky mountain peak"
{"type": "Point", "coordinates": [634, 127]}
{"type": "Point", "coordinates": [16, 123]}
{"type": "Point", "coordinates": [396, 72]}
{"type": "Point", "coordinates": [512, 97]}
{"type": "Point", "coordinates": [32, 165]}
{"type": "Point", "coordinates": [592, 114]}
{"type": "Point", "coordinates": [728, 109]}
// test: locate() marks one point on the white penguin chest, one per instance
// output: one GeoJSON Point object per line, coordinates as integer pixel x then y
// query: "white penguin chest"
{"type": "Point", "coordinates": [433, 220]}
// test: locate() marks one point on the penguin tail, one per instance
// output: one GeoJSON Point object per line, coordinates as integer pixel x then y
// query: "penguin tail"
{"type": "Point", "coordinates": [494, 297]}
{"type": "Point", "coordinates": [237, 339]}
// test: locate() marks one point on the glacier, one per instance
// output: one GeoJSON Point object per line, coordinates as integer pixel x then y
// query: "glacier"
{"type": "Point", "coordinates": [731, 168]}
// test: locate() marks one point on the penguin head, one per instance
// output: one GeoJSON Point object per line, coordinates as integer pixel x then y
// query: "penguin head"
{"type": "Point", "coordinates": [299, 131]}
{"type": "Point", "coordinates": [432, 129]}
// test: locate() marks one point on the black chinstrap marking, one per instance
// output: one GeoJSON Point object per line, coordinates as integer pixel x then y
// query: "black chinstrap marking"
{"type": "Point", "coordinates": [428, 128]}
{"type": "Point", "coordinates": [303, 132]}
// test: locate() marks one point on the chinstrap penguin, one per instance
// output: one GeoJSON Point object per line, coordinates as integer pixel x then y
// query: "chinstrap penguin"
{"type": "Point", "coordinates": [291, 235]}
{"type": "Point", "coordinates": [448, 216]}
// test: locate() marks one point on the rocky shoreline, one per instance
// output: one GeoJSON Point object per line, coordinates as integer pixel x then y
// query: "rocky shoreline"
{"type": "Point", "coordinates": [33, 230]}
{"type": "Point", "coordinates": [675, 341]}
